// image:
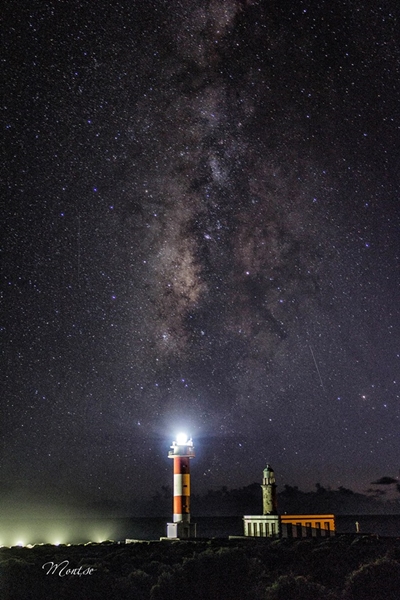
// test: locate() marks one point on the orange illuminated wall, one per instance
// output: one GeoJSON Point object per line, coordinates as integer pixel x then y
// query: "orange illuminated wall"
{"type": "Point", "coordinates": [310, 523]}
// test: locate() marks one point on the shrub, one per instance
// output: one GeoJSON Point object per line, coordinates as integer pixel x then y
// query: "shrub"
{"type": "Point", "coordinates": [378, 580]}
{"type": "Point", "coordinates": [223, 574]}
{"type": "Point", "coordinates": [297, 588]}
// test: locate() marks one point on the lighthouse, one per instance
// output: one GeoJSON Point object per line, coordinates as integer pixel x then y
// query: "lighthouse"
{"type": "Point", "coordinates": [270, 524]}
{"type": "Point", "coordinates": [270, 505]}
{"type": "Point", "coordinates": [182, 451]}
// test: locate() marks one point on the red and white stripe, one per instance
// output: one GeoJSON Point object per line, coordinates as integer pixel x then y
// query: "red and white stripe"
{"type": "Point", "coordinates": [181, 455]}
{"type": "Point", "coordinates": [181, 489]}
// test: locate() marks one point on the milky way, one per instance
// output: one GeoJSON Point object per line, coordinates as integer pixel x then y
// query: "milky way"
{"type": "Point", "coordinates": [236, 232]}
{"type": "Point", "coordinates": [202, 231]}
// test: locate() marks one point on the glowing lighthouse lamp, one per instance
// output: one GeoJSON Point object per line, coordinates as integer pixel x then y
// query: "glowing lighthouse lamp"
{"type": "Point", "coordinates": [181, 452]}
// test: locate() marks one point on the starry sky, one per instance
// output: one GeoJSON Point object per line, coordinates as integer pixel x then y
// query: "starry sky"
{"type": "Point", "coordinates": [202, 232]}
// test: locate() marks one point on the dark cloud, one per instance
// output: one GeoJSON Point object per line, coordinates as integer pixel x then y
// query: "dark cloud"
{"type": "Point", "coordinates": [384, 481]}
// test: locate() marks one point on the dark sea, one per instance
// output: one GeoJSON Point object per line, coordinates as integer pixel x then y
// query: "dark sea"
{"type": "Point", "coordinates": [81, 530]}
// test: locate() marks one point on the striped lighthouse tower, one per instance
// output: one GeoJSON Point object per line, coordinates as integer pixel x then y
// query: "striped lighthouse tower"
{"type": "Point", "coordinates": [181, 452]}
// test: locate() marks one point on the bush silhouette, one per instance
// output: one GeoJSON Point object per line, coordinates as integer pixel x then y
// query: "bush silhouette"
{"type": "Point", "coordinates": [223, 574]}
{"type": "Point", "coordinates": [378, 580]}
{"type": "Point", "coordinates": [297, 588]}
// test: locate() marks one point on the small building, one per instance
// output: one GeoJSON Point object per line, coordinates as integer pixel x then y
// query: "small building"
{"type": "Point", "coordinates": [270, 524]}
{"type": "Point", "coordinates": [261, 525]}
{"type": "Point", "coordinates": [298, 526]}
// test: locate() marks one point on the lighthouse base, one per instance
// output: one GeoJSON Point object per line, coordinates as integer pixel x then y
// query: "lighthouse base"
{"type": "Point", "coordinates": [181, 530]}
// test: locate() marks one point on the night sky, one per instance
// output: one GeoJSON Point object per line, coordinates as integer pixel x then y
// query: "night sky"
{"type": "Point", "coordinates": [201, 232]}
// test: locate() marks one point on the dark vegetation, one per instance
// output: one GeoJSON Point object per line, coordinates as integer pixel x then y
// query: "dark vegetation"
{"type": "Point", "coordinates": [344, 567]}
